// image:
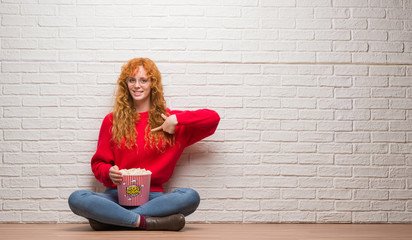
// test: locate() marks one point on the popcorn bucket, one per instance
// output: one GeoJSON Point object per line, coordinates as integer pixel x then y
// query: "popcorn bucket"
{"type": "Point", "coordinates": [134, 189]}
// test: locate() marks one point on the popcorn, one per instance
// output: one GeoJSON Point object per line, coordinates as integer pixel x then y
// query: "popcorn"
{"type": "Point", "coordinates": [135, 171]}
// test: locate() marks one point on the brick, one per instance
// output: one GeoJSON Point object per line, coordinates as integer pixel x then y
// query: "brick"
{"type": "Point", "coordinates": [21, 182]}
{"type": "Point", "coordinates": [400, 194]}
{"type": "Point", "coordinates": [10, 193]}
{"type": "Point", "coordinates": [370, 217]}
{"type": "Point", "coordinates": [370, 35]}
{"type": "Point", "coordinates": [400, 125]}
{"type": "Point", "coordinates": [315, 182]}
{"type": "Point", "coordinates": [334, 194]}
{"type": "Point", "coordinates": [315, 137]}
{"type": "Point", "coordinates": [371, 103]}
{"type": "Point", "coordinates": [387, 184]}
{"type": "Point", "coordinates": [386, 160]}
{"type": "Point", "coordinates": [371, 195]}
{"type": "Point", "coordinates": [40, 171]}
{"type": "Point", "coordinates": [337, 35]}
{"type": "Point", "coordinates": [370, 172]}
{"type": "Point", "coordinates": [296, 35]}
{"type": "Point", "coordinates": [385, 24]}
{"type": "Point", "coordinates": [58, 181]}
{"type": "Point", "coordinates": [18, 20]}
{"type": "Point", "coordinates": [229, 194]}
{"type": "Point", "coordinates": [352, 137]}
{"type": "Point", "coordinates": [279, 136]}
{"type": "Point", "coordinates": [280, 3]}
{"type": "Point", "coordinates": [279, 182]}
{"type": "Point", "coordinates": [10, 146]}
{"type": "Point", "coordinates": [21, 112]}
{"type": "Point", "coordinates": [261, 217]}
{"type": "Point", "coordinates": [10, 217]}
{"type": "Point", "coordinates": [58, 67]}
{"type": "Point", "coordinates": [40, 217]}
{"type": "Point", "coordinates": [333, 57]}
{"type": "Point", "coordinates": [10, 171]}
{"type": "Point", "coordinates": [335, 148]}
{"type": "Point", "coordinates": [335, 104]}
{"type": "Point", "coordinates": [334, 126]}
{"type": "Point", "coordinates": [20, 205]}
{"type": "Point", "coordinates": [346, 46]}
{"type": "Point", "coordinates": [298, 194]}
{"type": "Point", "coordinates": [10, 123]}
{"type": "Point", "coordinates": [401, 148]}
{"type": "Point", "coordinates": [40, 193]}
{"type": "Point", "coordinates": [370, 148]}
{"type": "Point", "coordinates": [298, 103]}
{"type": "Point", "coordinates": [279, 205]}
{"type": "Point", "coordinates": [330, 217]}
{"type": "Point", "coordinates": [298, 147]}
{"type": "Point", "coordinates": [278, 24]}
{"type": "Point", "coordinates": [56, 205]}
{"type": "Point", "coordinates": [398, 217]}
{"type": "Point", "coordinates": [387, 71]}
{"type": "Point", "coordinates": [352, 93]}
{"type": "Point", "coordinates": [388, 205]}
{"type": "Point", "coordinates": [368, 13]}
{"type": "Point", "coordinates": [297, 217]}
{"type": "Point", "coordinates": [316, 205]}
{"type": "Point", "coordinates": [10, 102]}
{"type": "Point", "coordinates": [350, 24]}
{"type": "Point", "coordinates": [400, 81]}
{"type": "Point", "coordinates": [352, 114]}
{"type": "Point", "coordinates": [335, 171]}
{"type": "Point", "coordinates": [279, 159]}
{"type": "Point", "coordinates": [385, 47]}
{"type": "Point", "coordinates": [40, 123]}
{"type": "Point", "coordinates": [223, 217]}
{"type": "Point", "coordinates": [369, 58]}
{"type": "Point", "coordinates": [370, 126]}
{"type": "Point", "coordinates": [297, 57]}
{"type": "Point", "coordinates": [350, 70]}
{"type": "Point", "coordinates": [242, 205]}
{"type": "Point", "coordinates": [298, 171]}
{"type": "Point", "coordinates": [316, 114]}
{"type": "Point", "coordinates": [315, 159]}
{"type": "Point", "coordinates": [21, 158]}
{"type": "Point", "coordinates": [351, 184]}
{"type": "Point", "coordinates": [370, 81]}
{"type": "Point", "coordinates": [388, 137]}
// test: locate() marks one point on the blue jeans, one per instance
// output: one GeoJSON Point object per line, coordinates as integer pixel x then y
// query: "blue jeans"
{"type": "Point", "coordinates": [104, 207]}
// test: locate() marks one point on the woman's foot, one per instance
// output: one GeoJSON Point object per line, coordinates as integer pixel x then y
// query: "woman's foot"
{"type": "Point", "coordinates": [170, 223]}
{"type": "Point", "coordinates": [99, 226]}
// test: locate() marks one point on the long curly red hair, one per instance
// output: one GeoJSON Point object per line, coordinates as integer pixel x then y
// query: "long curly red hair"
{"type": "Point", "coordinates": [125, 115]}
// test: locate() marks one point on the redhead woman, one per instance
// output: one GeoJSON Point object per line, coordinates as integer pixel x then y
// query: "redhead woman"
{"type": "Point", "coordinates": [142, 132]}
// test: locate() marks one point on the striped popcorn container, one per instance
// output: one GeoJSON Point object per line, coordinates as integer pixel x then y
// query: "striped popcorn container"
{"type": "Point", "coordinates": [134, 189]}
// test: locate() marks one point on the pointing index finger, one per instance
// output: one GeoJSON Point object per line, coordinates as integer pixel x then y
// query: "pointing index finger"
{"type": "Point", "coordinates": [156, 129]}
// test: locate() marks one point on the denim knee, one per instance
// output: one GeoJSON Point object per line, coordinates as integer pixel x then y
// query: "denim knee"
{"type": "Point", "coordinates": [75, 199]}
{"type": "Point", "coordinates": [192, 199]}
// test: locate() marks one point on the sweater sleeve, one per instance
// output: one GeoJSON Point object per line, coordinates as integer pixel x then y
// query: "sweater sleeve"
{"type": "Point", "coordinates": [103, 159]}
{"type": "Point", "coordinates": [197, 124]}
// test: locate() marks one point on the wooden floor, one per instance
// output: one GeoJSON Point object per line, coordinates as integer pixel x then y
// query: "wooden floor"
{"type": "Point", "coordinates": [214, 231]}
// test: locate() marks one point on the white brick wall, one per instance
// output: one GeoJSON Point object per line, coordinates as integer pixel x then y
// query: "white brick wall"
{"type": "Point", "coordinates": [314, 96]}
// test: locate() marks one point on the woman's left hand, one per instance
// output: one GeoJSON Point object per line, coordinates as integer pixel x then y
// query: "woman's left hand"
{"type": "Point", "coordinates": [169, 125]}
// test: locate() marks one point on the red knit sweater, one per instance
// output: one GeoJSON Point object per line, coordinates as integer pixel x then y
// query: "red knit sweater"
{"type": "Point", "coordinates": [192, 127]}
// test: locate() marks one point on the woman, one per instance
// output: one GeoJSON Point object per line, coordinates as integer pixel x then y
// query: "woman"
{"type": "Point", "coordinates": [142, 133]}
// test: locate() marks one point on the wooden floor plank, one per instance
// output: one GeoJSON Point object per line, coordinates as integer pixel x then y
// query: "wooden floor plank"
{"type": "Point", "coordinates": [214, 231]}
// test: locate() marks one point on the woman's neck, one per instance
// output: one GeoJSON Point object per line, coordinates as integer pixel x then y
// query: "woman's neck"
{"type": "Point", "coordinates": [142, 107]}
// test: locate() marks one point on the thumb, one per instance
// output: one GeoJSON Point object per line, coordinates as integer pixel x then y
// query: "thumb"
{"type": "Point", "coordinates": [164, 116]}
{"type": "Point", "coordinates": [115, 167]}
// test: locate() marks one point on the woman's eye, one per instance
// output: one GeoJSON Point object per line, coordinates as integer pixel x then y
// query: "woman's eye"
{"type": "Point", "coordinates": [132, 80]}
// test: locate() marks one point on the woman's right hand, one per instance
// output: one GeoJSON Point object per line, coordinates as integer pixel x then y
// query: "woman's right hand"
{"type": "Point", "coordinates": [115, 175]}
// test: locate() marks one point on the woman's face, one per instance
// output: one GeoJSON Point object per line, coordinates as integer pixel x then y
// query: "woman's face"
{"type": "Point", "coordinates": [139, 87]}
